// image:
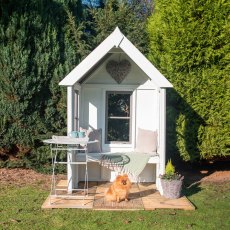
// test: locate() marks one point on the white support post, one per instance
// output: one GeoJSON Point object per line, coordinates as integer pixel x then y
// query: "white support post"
{"type": "Point", "coordinates": [76, 117]}
{"type": "Point", "coordinates": [162, 137]}
{"type": "Point", "coordinates": [71, 169]}
{"type": "Point", "coordinates": [77, 92]}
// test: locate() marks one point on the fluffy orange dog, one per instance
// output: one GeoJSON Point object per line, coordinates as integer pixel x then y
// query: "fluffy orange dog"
{"type": "Point", "coordinates": [119, 190]}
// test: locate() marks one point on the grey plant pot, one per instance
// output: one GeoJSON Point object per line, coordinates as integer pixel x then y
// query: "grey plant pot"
{"type": "Point", "coordinates": [172, 188]}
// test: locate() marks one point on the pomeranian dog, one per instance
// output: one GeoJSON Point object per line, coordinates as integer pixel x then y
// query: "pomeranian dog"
{"type": "Point", "coordinates": [119, 190]}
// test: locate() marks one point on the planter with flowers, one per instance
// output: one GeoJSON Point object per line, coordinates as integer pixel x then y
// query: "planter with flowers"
{"type": "Point", "coordinates": [171, 182]}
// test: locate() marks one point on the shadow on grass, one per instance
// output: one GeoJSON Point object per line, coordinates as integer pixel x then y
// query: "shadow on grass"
{"type": "Point", "coordinates": [191, 189]}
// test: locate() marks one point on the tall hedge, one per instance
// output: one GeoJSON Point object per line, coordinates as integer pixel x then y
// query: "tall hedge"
{"type": "Point", "coordinates": [190, 45]}
{"type": "Point", "coordinates": [38, 43]}
{"type": "Point", "coordinates": [129, 15]}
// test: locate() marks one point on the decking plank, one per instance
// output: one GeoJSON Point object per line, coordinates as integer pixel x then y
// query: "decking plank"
{"type": "Point", "coordinates": [142, 196]}
{"type": "Point", "coordinates": [68, 203]}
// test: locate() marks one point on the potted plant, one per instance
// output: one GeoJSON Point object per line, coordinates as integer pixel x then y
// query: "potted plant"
{"type": "Point", "coordinates": [171, 182]}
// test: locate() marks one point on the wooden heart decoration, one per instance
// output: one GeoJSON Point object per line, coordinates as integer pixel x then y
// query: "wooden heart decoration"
{"type": "Point", "coordinates": [118, 70]}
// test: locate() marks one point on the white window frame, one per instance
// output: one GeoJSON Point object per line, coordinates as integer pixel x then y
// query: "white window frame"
{"type": "Point", "coordinates": [112, 147]}
{"type": "Point", "coordinates": [129, 118]}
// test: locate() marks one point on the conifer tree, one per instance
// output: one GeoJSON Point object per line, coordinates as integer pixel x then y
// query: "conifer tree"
{"type": "Point", "coordinates": [40, 42]}
{"type": "Point", "coordinates": [190, 45]}
{"type": "Point", "coordinates": [129, 16]}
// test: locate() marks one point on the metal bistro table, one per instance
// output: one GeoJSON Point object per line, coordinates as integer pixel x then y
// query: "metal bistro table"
{"type": "Point", "coordinates": [77, 154]}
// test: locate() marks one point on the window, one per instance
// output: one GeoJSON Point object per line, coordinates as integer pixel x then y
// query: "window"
{"type": "Point", "coordinates": [118, 117]}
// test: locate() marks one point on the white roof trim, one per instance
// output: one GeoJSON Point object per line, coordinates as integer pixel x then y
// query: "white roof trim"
{"type": "Point", "coordinates": [96, 55]}
{"type": "Point", "coordinates": [146, 66]}
{"type": "Point", "coordinates": [116, 39]}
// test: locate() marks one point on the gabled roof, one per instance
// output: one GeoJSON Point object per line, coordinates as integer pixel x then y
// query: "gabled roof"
{"type": "Point", "coordinates": [118, 40]}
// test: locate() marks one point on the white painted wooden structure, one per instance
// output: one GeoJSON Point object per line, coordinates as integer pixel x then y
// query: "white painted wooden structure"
{"type": "Point", "coordinates": [87, 85]}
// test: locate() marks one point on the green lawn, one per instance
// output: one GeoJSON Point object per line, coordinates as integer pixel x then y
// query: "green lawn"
{"type": "Point", "coordinates": [20, 208]}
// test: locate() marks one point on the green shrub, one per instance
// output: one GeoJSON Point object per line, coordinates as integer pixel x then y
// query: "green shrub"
{"type": "Point", "coordinates": [169, 169]}
{"type": "Point", "coordinates": [170, 172]}
{"type": "Point", "coordinates": [190, 45]}
{"type": "Point", "coordinates": [37, 51]}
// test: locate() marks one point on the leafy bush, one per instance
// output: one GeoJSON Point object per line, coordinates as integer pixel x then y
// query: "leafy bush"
{"type": "Point", "coordinates": [40, 43]}
{"type": "Point", "coordinates": [37, 50]}
{"type": "Point", "coordinates": [190, 45]}
{"type": "Point", "coordinates": [129, 16]}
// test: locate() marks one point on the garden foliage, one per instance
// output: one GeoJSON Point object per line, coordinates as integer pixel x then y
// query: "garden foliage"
{"type": "Point", "coordinates": [38, 46]}
{"type": "Point", "coordinates": [190, 45]}
{"type": "Point", "coordinates": [40, 43]}
{"type": "Point", "coordinates": [170, 172]}
{"type": "Point", "coordinates": [130, 16]}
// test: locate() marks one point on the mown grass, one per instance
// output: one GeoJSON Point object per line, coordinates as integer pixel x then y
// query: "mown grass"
{"type": "Point", "coordinates": [20, 208]}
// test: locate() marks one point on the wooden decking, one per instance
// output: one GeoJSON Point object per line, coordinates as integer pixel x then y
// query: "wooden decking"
{"type": "Point", "coordinates": [143, 196]}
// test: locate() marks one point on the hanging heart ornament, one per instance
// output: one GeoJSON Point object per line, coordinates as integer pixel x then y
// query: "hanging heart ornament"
{"type": "Point", "coordinates": [118, 70]}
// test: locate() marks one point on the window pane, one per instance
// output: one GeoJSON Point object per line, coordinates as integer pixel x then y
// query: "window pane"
{"type": "Point", "coordinates": [118, 130]}
{"type": "Point", "coordinates": [118, 105]}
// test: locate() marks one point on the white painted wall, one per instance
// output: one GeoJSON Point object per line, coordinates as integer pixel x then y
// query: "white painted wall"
{"type": "Point", "coordinates": [94, 172]}
{"type": "Point", "coordinates": [136, 75]}
{"type": "Point", "coordinates": [145, 110]}
{"type": "Point", "coordinates": [148, 174]}
{"type": "Point", "coordinates": [91, 107]}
